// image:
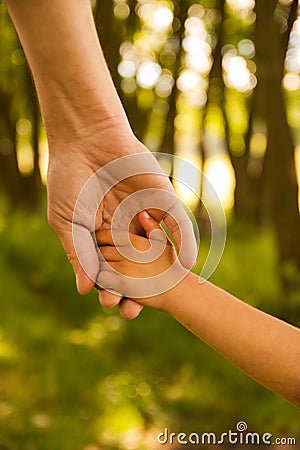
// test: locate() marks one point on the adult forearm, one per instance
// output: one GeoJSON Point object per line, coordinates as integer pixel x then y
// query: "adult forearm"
{"type": "Point", "coordinates": [264, 347]}
{"type": "Point", "coordinates": [72, 80]}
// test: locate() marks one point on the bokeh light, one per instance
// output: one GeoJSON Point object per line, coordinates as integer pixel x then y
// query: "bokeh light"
{"type": "Point", "coordinates": [148, 74]}
{"type": "Point", "coordinates": [220, 174]}
{"type": "Point", "coordinates": [237, 74]}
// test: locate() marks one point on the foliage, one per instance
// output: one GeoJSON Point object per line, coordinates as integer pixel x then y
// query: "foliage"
{"type": "Point", "coordinates": [76, 376]}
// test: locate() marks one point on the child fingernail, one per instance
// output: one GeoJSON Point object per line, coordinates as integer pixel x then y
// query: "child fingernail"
{"type": "Point", "coordinates": [146, 215]}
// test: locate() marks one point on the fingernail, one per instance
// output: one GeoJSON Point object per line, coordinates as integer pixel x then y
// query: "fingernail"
{"type": "Point", "coordinates": [146, 215]}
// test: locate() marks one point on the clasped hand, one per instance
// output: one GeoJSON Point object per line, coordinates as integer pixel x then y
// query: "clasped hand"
{"type": "Point", "coordinates": [68, 173]}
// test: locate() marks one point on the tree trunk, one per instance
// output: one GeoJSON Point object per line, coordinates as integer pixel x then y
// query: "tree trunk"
{"type": "Point", "coordinates": [279, 177]}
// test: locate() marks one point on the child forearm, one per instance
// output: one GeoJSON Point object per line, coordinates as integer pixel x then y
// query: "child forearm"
{"type": "Point", "coordinates": [264, 347]}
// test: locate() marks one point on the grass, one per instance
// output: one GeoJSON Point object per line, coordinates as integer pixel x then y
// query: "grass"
{"type": "Point", "coordinates": [74, 376]}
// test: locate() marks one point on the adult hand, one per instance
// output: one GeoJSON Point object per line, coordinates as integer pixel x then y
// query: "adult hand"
{"type": "Point", "coordinates": [85, 124]}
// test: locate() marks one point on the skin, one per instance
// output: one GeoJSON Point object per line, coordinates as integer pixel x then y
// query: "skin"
{"type": "Point", "coordinates": [264, 347]}
{"type": "Point", "coordinates": [85, 123]}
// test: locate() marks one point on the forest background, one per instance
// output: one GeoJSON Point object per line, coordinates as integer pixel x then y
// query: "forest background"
{"type": "Point", "coordinates": [217, 83]}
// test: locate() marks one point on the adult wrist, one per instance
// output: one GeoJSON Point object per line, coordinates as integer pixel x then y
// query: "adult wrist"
{"type": "Point", "coordinates": [68, 113]}
{"type": "Point", "coordinates": [93, 138]}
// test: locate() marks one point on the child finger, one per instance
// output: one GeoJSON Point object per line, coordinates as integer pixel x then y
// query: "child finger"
{"type": "Point", "coordinates": [110, 253]}
{"type": "Point", "coordinates": [148, 223]}
{"type": "Point", "coordinates": [183, 230]}
{"type": "Point", "coordinates": [120, 238]}
{"type": "Point", "coordinates": [112, 237]}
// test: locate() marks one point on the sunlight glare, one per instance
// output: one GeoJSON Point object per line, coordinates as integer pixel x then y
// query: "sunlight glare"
{"type": "Point", "coordinates": [258, 144]}
{"type": "Point", "coordinates": [127, 69]}
{"type": "Point", "coordinates": [128, 86]}
{"type": "Point", "coordinates": [237, 74]}
{"type": "Point", "coordinates": [121, 10]}
{"type": "Point", "coordinates": [188, 80]}
{"type": "Point", "coordinates": [164, 85]}
{"type": "Point", "coordinates": [196, 10]}
{"type": "Point", "coordinates": [156, 15]}
{"type": "Point", "coordinates": [43, 159]}
{"type": "Point", "coordinates": [25, 159]}
{"type": "Point", "coordinates": [292, 61]}
{"type": "Point", "coordinates": [192, 43]}
{"type": "Point", "coordinates": [146, 11]}
{"type": "Point", "coordinates": [189, 182]}
{"type": "Point", "coordinates": [246, 48]}
{"type": "Point", "coordinates": [291, 81]}
{"type": "Point", "coordinates": [241, 4]}
{"type": "Point", "coordinates": [162, 19]}
{"type": "Point", "coordinates": [194, 26]}
{"type": "Point", "coordinates": [128, 51]}
{"type": "Point", "coordinates": [199, 61]}
{"type": "Point", "coordinates": [148, 74]}
{"type": "Point", "coordinates": [23, 127]}
{"type": "Point", "coordinates": [220, 173]}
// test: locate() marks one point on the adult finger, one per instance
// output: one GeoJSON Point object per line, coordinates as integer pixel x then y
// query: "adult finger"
{"type": "Point", "coordinates": [129, 309]}
{"type": "Point", "coordinates": [175, 218]}
{"type": "Point", "coordinates": [109, 299]}
{"type": "Point", "coordinates": [84, 259]}
{"type": "Point", "coordinates": [110, 280]}
{"type": "Point", "coordinates": [183, 234]}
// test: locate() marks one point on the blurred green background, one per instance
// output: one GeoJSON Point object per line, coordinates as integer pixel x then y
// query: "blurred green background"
{"type": "Point", "coordinates": [217, 83]}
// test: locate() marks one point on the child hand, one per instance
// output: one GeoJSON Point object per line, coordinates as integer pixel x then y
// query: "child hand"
{"type": "Point", "coordinates": [147, 281]}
